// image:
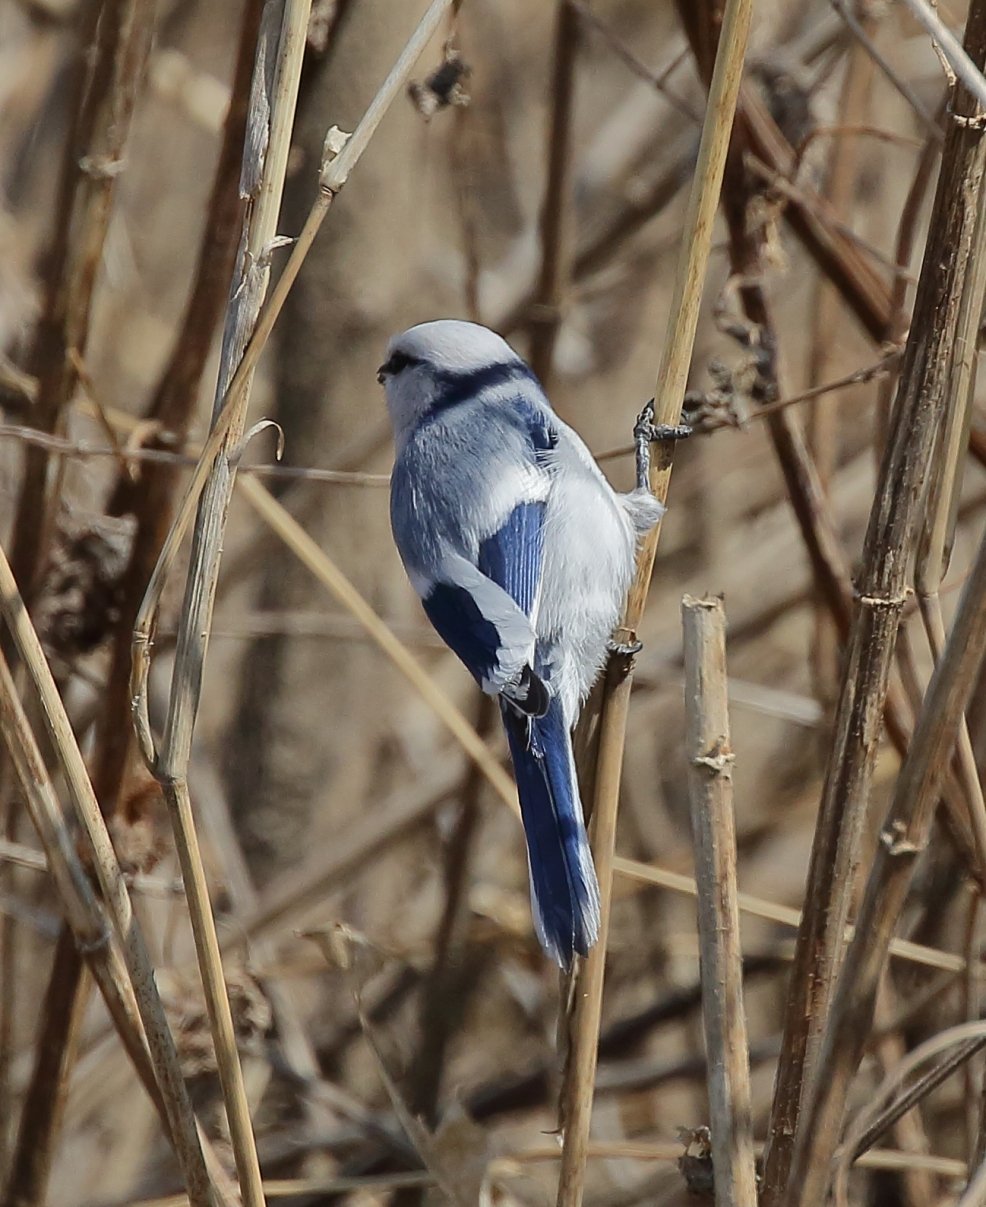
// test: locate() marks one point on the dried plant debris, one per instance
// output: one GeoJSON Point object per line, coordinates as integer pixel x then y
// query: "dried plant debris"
{"type": "Point", "coordinates": [252, 1020]}
{"type": "Point", "coordinates": [80, 602]}
{"type": "Point", "coordinates": [140, 826]}
{"type": "Point", "coordinates": [695, 1162]}
{"type": "Point", "coordinates": [445, 86]}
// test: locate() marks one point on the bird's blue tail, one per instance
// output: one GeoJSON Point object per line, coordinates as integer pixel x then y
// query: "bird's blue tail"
{"type": "Point", "coordinates": [564, 890]}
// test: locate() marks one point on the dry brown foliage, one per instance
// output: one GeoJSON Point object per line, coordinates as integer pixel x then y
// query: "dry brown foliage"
{"type": "Point", "coordinates": [389, 1031]}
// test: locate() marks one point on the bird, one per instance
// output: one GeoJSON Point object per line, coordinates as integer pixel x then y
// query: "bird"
{"type": "Point", "coordinates": [522, 554]}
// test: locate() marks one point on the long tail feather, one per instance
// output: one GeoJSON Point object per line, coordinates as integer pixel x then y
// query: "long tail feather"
{"type": "Point", "coordinates": [564, 890]}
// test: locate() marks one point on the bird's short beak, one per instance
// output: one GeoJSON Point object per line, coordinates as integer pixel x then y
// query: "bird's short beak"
{"type": "Point", "coordinates": [382, 374]}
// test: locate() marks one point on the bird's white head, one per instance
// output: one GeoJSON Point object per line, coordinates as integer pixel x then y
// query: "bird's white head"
{"type": "Point", "coordinates": [429, 363]}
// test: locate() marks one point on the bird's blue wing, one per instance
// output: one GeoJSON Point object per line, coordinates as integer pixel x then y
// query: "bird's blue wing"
{"type": "Point", "coordinates": [459, 621]}
{"type": "Point", "coordinates": [512, 556]}
{"type": "Point", "coordinates": [480, 600]}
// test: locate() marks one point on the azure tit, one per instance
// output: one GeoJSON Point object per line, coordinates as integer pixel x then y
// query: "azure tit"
{"type": "Point", "coordinates": [522, 554]}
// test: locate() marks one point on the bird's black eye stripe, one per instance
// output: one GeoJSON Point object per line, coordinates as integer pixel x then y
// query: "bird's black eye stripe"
{"type": "Point", "coordinates": [398, 361]}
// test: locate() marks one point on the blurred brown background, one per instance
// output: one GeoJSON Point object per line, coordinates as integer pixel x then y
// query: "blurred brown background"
{"type": "Point", "coordinates": [312, 753]}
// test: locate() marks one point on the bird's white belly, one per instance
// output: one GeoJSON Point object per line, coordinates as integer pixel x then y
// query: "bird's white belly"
{"type": "Point", "coordinates": [588, 563]}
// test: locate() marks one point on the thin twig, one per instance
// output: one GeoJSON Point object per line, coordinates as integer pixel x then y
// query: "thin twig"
{"type": "Point", "coordinates": [556, 220]}
{"type": "Point", "coordinates": [577, 1092]}
{"type": "Point", "coordinates": [116, 40]}
{"type": "Point", "coordinates": [710, 788]}
{"type": "Point", "coordinates": [961, 62]}
{"type": "Point", "coordinates": [861, 34]}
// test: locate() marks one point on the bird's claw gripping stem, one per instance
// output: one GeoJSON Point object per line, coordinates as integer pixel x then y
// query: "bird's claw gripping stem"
{"type": "Point", "coordinates": [646, 432]}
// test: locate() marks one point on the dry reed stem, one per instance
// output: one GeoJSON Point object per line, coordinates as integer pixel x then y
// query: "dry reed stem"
{"type": "Point", "coordinates": [710, 759]}
{"type": "Point", "coordinates": [938, 531]}
{"type": "Point", "coordinates": [111, 881]}
{"type": "Point", "coordinates": [950, 49]}
{"type": "Point", "coordinates": [556, 219]}
{"type": "Point", "coordinates": [577, 1090]}
{"type": "Point", "coordinates": [248, 325]}
{"type": "Point", "coordinates": [890, 540]}
{"type": "Point", "coordinates": [91, 932]}
{"type": "Point", "coordinates": [107, 66]}
{"type": "Point", "coordinates": [151, 499]}
{"type": "Point", "coordinates": [890, 1100]}
{"type": "Point", "coordinates": [903, 838]}
{"type": "Point", "coordinates": [277, 73]}
{"type": "Point", "coordinates": [334, 173]}
{"type": "Point", "coordinates": [331, 577]}
{"type": "Point", "coordinates": [110, 71]}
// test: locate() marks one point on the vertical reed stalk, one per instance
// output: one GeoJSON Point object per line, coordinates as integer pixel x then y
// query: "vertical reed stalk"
{"type": "Point", "coordinates": [556, 211]}
{"type": "Point", "coordinates": [890, 542]}
{"type": "Point", "coordinates": [710, 760]}
{"type": "Point", "coordinates": [577, 1091]}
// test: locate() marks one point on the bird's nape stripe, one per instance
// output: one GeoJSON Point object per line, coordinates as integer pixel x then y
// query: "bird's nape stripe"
{"type": "Point", "coordinates": [457, 388]}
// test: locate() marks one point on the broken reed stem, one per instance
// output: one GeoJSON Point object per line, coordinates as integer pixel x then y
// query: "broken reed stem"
{"type": "Point", "coordinates": [112, 883]}
{"type": "Point", "coordinates": [904, 836]}
{"type": "Point", "coordinates": [672, 378]}
{"type": "Point", "coordinates": [890, 540]}
{"type": "Point", "coordinates": [556, 220]}
{"type": "Point", "coordinates": [248, 326]}
{"type": "Point", "coordinates": [710, 787]}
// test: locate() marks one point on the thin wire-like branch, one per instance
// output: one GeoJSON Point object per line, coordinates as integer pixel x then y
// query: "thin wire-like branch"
{"type": "Point", "coordinates": [710, 759]}
{"type": "Point", "coordinates": [860, 33]}
{"type": "Point", "coordinates": [577, 1092]}
{"type": "Point", "coordinates": [657, 79]}
{"type": "Point", "coordinates": [955, 54]}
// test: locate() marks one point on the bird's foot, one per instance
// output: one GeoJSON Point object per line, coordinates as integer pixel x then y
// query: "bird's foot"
{"type": "Point", "coordinates": [657, 433]}
{"type": "Point", "coordinates": [646, 432]}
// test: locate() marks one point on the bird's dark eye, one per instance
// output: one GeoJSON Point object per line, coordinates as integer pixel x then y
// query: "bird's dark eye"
{"type": "Point", "coordinates": [395, 363]}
